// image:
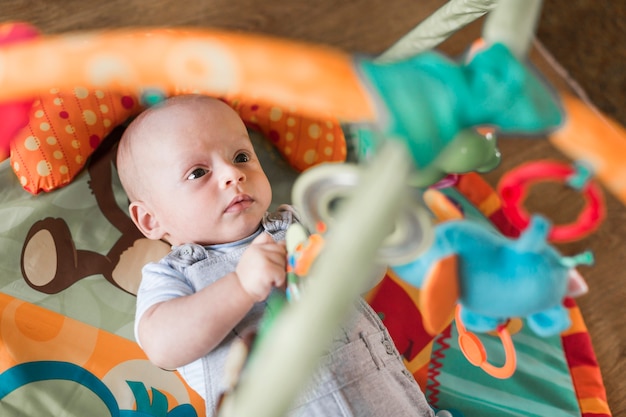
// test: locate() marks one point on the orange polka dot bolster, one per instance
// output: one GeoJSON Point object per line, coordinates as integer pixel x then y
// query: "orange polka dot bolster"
{"type": "Point", "coordinates": [303, 141]}
{"type": "Point", "coordinates": [64, 129]}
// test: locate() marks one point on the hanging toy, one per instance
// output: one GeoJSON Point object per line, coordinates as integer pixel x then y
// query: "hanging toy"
{"type": "Point", "coordinates": [302, 250]}
{"type": "Point", "coordinates": [493, 278]}
{"type": "Point", "coordinates": [515, 185]}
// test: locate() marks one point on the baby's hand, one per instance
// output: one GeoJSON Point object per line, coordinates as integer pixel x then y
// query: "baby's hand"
{"type": "Point", "coordinates": [262, 266]}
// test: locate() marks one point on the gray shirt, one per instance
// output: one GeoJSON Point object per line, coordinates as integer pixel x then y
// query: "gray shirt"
{"type": "Point", "coordinates": [362, 374]}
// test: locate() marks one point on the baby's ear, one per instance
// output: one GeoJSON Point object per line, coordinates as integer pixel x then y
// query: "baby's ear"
{"type": "Point", "coordinates": [145, 220]}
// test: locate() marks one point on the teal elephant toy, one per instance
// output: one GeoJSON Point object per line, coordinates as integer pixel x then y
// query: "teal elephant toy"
{"type": "Point", "coordinates": [432, 103]}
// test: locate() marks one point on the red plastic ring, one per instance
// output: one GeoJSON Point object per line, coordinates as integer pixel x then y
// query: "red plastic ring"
{"type": "Point", "coordinates": [513, 189]}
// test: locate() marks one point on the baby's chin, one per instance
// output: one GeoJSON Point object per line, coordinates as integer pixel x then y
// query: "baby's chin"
{"type": "Point", "coordinates": [243, 226]}
{"type": "Point", "coordinates": [234, 234]}
{"type": "Point", "coordinates": [244, 233]}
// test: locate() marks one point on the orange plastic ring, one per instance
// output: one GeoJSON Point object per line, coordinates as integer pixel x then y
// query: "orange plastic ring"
{"type": "Point", "coordinates": [475, 352]}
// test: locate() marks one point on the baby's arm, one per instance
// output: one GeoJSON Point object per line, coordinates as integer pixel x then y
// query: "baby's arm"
{"type": "Point", "coordinates": [178, 331]}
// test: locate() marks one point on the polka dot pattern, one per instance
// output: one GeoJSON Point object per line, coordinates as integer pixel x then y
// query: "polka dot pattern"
{"type": "Point", "coordinates": [302, 141]}
{"type": "Point", "coordinates": [65, 128]}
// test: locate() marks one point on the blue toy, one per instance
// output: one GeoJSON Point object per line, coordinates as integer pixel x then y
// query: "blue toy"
{"type": "Point", "coordinates": [499, 277]}
{"type": "Point", "coordinates": [487, 278]}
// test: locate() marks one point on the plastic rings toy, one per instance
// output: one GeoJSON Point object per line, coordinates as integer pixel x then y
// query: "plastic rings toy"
{"type": "Point", "coordinates": [474, 350]}
{"type": "Point", "coordinates": [319, 191]}
{"type": "Point", "coordinates": [513, 189]}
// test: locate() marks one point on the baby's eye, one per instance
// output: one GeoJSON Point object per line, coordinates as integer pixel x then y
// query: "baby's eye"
{"type": "Point", "coordinates": [197, 173]}
{"type": "Point", "coordinates": [242, 157]}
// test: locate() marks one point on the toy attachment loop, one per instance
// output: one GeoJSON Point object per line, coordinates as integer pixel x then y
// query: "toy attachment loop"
{"type": "Point", "coordinates": [320, 191]}
{"type": "Point", "coordinates": [475, 352]}
{"type": "Point", "coordinates": [513, 189]}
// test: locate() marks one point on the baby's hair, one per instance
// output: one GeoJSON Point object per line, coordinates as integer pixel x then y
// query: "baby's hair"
{"type": "Point", "coordinates": [133, 142]}
{"type": "Point", "coordinates": [126, 167]}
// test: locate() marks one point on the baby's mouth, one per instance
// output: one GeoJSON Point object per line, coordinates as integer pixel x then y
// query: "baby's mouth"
{"type": "Point", "coordinates": [239, 203]}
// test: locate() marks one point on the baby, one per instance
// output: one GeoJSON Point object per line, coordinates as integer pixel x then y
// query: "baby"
{"type": "Point", "coordinates": [193, 180]}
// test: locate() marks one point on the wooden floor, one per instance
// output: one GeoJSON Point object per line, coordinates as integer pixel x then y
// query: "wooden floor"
{"type": "Point", "coordinates": [587, 37]}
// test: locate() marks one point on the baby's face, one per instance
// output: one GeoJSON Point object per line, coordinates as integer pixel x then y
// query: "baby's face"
{"type": "Point", "coordinates": [206, 184]}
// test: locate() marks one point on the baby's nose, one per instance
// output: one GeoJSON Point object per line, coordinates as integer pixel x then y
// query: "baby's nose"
{"type": "Point", "coordinates": [232, 175]}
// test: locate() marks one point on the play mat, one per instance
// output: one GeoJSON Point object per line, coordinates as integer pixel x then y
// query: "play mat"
{"type": "Point", "coordinates": [70, 346]}
{"type": "Point", "coordinates": [71, 257]}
